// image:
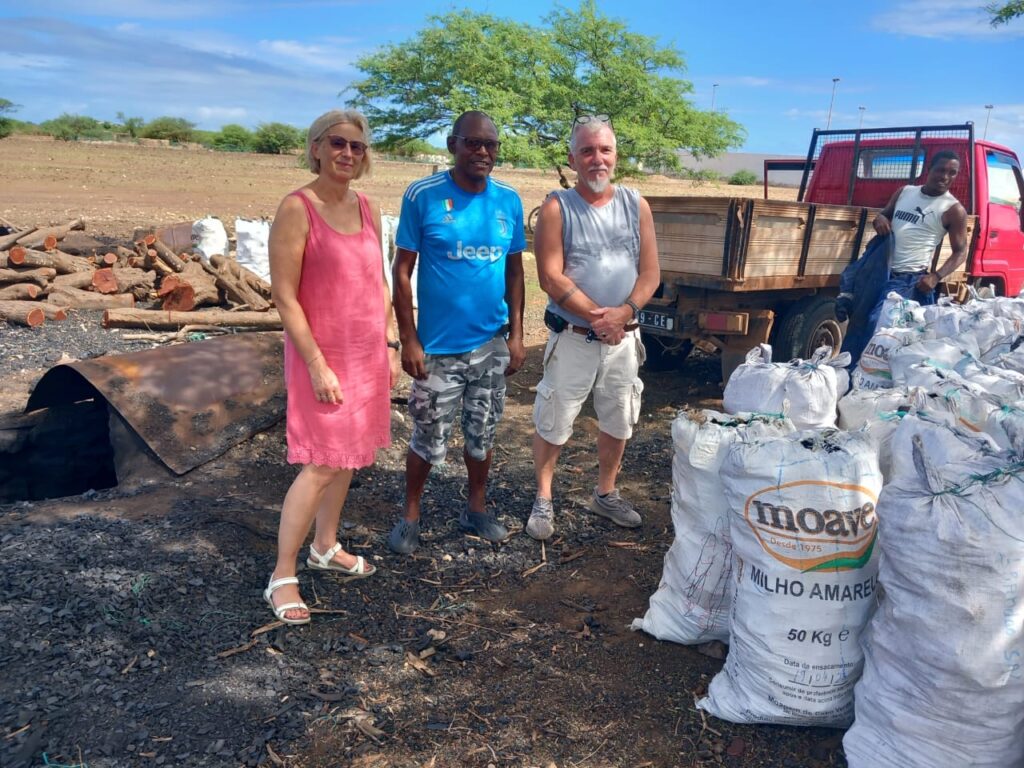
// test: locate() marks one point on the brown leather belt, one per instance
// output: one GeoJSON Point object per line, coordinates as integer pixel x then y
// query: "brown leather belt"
{"type": "Point", "coordinates": [584, 331]}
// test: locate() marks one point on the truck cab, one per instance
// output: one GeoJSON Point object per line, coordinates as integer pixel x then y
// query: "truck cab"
{"type": "Point", "coordinates": [868, 168]}
{"type": "Point", "coordinates": [738, 272]}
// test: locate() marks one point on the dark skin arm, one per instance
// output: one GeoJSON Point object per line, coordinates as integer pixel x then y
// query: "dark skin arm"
{"type": "Point", "coordinates": [955, 222]}
{"type": "Point", "coordinates": [883, 219]}
{"type": "Point", "coordinates": [515, 298]}
{"type": "Point", "coordinates": [413, 361]}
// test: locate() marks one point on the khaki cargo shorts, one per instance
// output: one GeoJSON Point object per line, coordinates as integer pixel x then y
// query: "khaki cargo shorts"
{"type": "Point", "coordinates": [573, 368]}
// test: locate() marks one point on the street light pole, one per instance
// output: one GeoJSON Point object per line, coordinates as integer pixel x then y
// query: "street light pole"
{"type": "Point", "coordinates": [988, 114]}
{"type": "Point", "coordinates": [714, 88]}
{"type": "Point", "coordinates": [861, 123]}
{"type": "Point", "coordinates": [828, 123]}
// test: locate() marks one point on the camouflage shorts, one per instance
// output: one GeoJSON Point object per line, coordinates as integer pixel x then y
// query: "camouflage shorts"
{"type": "Point", "coordinates": [477, 379]}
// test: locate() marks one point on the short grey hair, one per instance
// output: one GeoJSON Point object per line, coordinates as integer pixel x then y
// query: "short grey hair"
{"type": "Point", "coordinates": [591, 127]}
{"type": "Point", "coordinates": [324, 123]}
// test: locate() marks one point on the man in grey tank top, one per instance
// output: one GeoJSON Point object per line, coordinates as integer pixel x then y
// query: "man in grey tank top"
{"type": "Point", "coordinates": [597, 260]}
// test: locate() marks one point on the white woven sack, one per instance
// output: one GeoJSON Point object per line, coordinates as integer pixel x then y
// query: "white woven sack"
{"type": "Point", "coordinates": [948, 392]}
{"type": "Point", "coordinates": [861, 406]}
{"type": "Point", "coordinates": [209, 236]}
{"type": "Point", "coordinates": [873, 371]}
{"type": "Point", "coordinates": [993, 335]}
{"type": "Point", "coordinates": [898, 312]}
{"type": "Point", "coordinates": [876, 414]}
{"type": "Point", "coordinates": [251, 245]}
{"type": "Point", "coordinates": [1011, 361]}
{"type": "Point", "coordinates": [947, 354]}
{"type": "Point", "coordinates": [942, 320]}
{"type": "Point", "coordinates": [804, 390]}
{"type": "Point", "coordinates": [803, 532]}
{"type": "Point", "coordinates": [692, 602]}
{"type": "Point", "coordinates": [943, 683]}
{"type": "Point", "coordinates": [1007, 385]}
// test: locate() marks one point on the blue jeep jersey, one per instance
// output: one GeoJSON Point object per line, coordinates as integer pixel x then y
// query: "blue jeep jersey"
{"type": "Point", "coordinates": [463, 241]}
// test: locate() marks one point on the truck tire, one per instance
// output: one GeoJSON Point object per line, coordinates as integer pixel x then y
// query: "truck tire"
{"type": "Point", "coordinates": [805, 326]}
{"type": "Point", "coordinates": [662, 358]}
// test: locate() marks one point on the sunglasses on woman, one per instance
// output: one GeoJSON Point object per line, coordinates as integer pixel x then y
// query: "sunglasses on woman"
{"type": "Point", "coordinates": [340, 142]}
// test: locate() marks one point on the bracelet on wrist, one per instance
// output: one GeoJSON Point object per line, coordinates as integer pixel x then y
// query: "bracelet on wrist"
{"type": "Point", "coordinates": [394, 344]}
{"type": "Point", "coordinates": [633, 306]}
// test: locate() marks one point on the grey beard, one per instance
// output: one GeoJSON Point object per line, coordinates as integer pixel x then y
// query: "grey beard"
{"type": "Point", "coordinates": [597, 186]}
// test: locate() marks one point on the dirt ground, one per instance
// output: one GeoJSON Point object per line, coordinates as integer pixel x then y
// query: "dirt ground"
{"type": "Point", "coordinates": [136, 635]}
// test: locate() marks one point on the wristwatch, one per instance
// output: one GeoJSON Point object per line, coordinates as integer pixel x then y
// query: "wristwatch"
{"type": "Point", "coordinates": [394, 344]}
{"type": "Point", "coordinates": [632, 305]}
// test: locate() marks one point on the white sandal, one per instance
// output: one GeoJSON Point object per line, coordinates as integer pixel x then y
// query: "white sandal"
{"type": "Point", "coordinates": [281, 610]}
{"type": "Point", "coordinates": [325, 562]}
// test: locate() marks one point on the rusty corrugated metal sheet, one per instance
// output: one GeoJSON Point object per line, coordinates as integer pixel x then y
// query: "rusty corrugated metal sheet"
{"type": "Point", "coordinates": [189, 402]}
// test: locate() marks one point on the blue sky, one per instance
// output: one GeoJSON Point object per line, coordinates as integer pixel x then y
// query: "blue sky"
{"type": "Point", "coordinates": [227, 61]}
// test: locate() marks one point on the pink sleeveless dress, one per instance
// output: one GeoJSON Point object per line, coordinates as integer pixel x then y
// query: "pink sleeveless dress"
{"type": "Point", "coordinates": [341, 292]}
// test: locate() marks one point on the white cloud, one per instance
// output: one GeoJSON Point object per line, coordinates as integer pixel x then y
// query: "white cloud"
{"type": "Point", "coordinates": [950, 19]}
{"type": "Point", "coordinates": [222, 115]}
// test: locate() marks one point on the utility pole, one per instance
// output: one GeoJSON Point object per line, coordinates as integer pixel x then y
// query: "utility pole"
{"type": "Point", "coordinates": [860, 124]}
{"type": "Point", "coordinates": [988, 114]}
{"type": "Point", "coordinates": [714, 88]}
{"type": "Point", "coordinates": [828, 123]}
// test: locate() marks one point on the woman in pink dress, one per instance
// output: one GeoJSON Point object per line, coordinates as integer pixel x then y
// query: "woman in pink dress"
{"type": "Point", "coordinates": [340, 350]}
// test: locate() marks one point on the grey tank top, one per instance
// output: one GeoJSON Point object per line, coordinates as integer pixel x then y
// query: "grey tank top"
{"type": "Point", "coordinates": [601, 247]}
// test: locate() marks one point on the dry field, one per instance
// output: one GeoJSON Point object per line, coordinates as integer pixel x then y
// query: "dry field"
{"type": "Point", "coordinates": [117, 187]}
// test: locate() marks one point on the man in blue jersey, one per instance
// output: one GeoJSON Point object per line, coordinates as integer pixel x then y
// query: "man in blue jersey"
{"type": "Point", "coordinates": [466, 231]}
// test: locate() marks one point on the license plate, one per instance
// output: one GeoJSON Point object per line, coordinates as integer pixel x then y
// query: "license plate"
{"type": "Point", "coordinates": [659, 320]}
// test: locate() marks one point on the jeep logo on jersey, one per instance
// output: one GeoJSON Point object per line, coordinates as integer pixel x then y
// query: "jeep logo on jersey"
{"type": "Point", "coordinates": [814, 525]}
{"type": "Point", "coordinates": [476, 252]}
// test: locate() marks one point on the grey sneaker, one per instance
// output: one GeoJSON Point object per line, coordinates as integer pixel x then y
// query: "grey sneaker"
{"type": "Point", "coordinates": [615, 508]}
{"type": "Point", "coordinates": [404, 537]}
{"type": "Point", "coordinates": [484, 525]}
{"type": "Point", "coordinates": [541, 526]}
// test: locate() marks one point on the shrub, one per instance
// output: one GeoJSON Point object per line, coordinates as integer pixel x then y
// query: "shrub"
{"type": "Point", "coordinates": [6, 124]}
{"type": "Point", "coordinates": [276, 138]}
{"type": "Point", "coordinates": [73, 127]}
{"type": "Point", "coordinates": [743, 178]}
{"type": "Point", "coordinates": [233, 138]}
{"type": "Point", "coordinates": [176, 129]}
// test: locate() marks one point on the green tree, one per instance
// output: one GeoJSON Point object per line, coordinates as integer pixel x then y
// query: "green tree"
{"type": "Point", "coordinates": [132, 125]}
{"type": "Point", "coordinates": [408, 147]}
{"type": "Point", "coordinates": [1003, 13]}
{"type": "Point", "coordinates": [73, 127]}
{"type": "Point", "coordinates": [276, 138]}
{"type": "Point", "coordinates": [6, 124]}
{"type": "Point", "coordinates": [534, 80]}
{"type": "Point", "coordinates": [176, 129]}
{"type": "Point", "coordinates": [233, 138]}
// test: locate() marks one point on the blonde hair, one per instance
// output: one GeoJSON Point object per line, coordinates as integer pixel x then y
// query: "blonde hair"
{"type": "Point", "coordinates": [323, 123]}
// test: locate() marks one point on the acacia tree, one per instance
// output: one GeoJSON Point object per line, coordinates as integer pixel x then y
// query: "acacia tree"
{"type": "Point", "coordinates": [1002, 13]}
{"type": "Point", "coordinates": [534, 81]}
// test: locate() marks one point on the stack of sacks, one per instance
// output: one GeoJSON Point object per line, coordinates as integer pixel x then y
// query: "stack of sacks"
{"type": "Point", "coordinates": [803, 530]}
{"type": "Point", "coordinates": [943, 683]}
{"type": "Point", "coordinates": [692, 602]}
{"type": "Point", "coordinates": [949, 393]}
{"type": "Point", "coordinates": [949, 354]}
{"type": "Point", "coordinates": [804, 390]}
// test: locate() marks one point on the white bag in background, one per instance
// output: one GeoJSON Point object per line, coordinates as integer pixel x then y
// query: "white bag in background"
{"type": "Point", "coordinates": [210, 237]}
{"type": "Point", "coordinates": [948, 354]}
{"type": "Point", "coordinates": [898, 312]}
{"type": "Point", "coordinates": [803, 531]}
{"type": "Point", "coordinates": [873, 370]}
{"type": "Point", "coordinates": [943, 683]}
{"type": "Point", "coordinates": [804, 390]}
{"type": "Point", "coordinates": [950, 393]}
{"type": "Point", "coordinates": [251, 239]}
{"type": "Point", "coordinates": [691, 605]}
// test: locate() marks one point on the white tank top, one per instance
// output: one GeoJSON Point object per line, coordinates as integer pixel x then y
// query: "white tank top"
{"type": "Point", "coordinates": [917, 228]}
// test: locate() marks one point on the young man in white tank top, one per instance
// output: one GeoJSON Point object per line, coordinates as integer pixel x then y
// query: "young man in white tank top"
{"type": "Point", "coordinates": [918, 218]}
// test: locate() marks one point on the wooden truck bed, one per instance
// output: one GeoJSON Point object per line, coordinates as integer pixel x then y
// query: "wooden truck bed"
{"type": "Point", "coordinates": [744, 244]}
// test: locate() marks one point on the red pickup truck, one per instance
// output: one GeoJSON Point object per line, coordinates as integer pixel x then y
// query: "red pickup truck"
{"type": "Point", "coordinates": [737, 271]}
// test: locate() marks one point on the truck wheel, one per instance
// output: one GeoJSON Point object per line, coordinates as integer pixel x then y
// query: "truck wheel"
{"type": "Point", "coordinates": [805, 326]}
{"type": "Point", "coordinates": [662, 358]}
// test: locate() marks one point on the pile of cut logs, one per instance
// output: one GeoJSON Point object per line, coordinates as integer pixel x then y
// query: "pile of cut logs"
{"type": "Point", "coordinates": [39, 281]}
